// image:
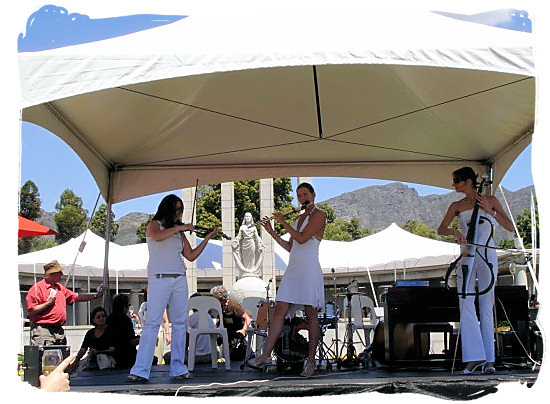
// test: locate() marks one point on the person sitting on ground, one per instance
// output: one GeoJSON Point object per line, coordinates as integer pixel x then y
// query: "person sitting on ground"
{"type": "Point", "coordinates": [236, 320]}
{"type": "Point", "coordinates": [98, 343]}
{"type": "Point", "coordinates": [125, 339]}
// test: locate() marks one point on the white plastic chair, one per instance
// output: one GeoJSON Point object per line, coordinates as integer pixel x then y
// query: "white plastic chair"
{"type": "Point", "coordinates": [358, 302]}
{"type": "Point", "coordinates": [204, 304]}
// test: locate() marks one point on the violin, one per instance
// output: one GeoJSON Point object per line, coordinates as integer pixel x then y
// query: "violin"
{"type": "Point", "coordinates": [471, 249]}
{"type": "Point", "coordinates": [202, 231]}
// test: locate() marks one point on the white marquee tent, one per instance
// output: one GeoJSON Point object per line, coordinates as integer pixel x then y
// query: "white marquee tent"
{"type": "Point", "coordinates": [230, 93]}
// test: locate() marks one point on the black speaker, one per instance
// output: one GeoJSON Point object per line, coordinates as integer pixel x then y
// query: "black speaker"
{"type": "Point", "coordinates": [32, 363]}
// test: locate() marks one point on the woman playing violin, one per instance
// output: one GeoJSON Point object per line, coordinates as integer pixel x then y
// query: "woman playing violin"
{"type": "Point", "coordinates": [302, 283]}
{"type": "Point", "coordinates": [167, 286]}
{"type": "Point", "coordinates": [478, 350]}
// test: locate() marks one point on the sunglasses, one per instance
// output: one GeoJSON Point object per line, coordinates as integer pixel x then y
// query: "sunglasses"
{"type": "Point", "coordinates": [457, 180]}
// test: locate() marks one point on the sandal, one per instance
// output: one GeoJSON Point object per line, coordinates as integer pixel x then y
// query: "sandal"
{"type": "Point", "coordinates": [259, 363]}
{"type": "Point", "coordinates": [474, 369]}
{"type": "Point", "coordinates": [488, 369]}
{"type": "Point", "coordinates": [136, 379]}
{"type": "Point", "coordinates": [181, 377]}
{"type": "Point", "coordinates": [308, 370]}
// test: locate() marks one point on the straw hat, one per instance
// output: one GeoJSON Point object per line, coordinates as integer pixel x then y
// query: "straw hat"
{"type": "Point", "coordinates": [52, 267]}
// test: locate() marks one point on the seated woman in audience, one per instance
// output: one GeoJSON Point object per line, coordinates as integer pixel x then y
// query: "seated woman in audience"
{"type": "Point", "coordinates": [98, 343]}
{"type": "Point", "coordinates": [125, 339]}
{"type": "Point", "coordinates": [236, 320]}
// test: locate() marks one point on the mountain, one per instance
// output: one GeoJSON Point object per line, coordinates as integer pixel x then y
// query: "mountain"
{"type": "Point", "coordinates": [127, 226]}
{"type": "Point", "coordinates": [377, 206]}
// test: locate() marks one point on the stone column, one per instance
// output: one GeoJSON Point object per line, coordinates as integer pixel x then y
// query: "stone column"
{"type": "Point", "coordinates": [229, 272]}
{"type": "Point", "coordinates": [267, 206]}
{"type": "Point", "coordinates": [82, 316]}
{"type": "Point", "coordinates": [188, 197]}
{"type": "Point", "coordinates": [134, 299]}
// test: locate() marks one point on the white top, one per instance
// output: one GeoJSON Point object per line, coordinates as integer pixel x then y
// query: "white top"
{"type": "Point", "coordinates": [486, 224]}
{"type": "Point", "coordinates": [165, 256]}
{"type": "Point", "coordinates": [302, 282]}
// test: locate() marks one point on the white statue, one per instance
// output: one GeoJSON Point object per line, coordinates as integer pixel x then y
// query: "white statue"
{"type": "Point", "coordinates": [248, 248]}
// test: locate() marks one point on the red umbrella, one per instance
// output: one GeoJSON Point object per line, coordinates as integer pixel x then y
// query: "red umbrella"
{"type": "Point", "coordinates": [28, 228]}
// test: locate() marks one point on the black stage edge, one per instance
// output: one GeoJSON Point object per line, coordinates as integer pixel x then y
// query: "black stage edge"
{"type": "Point", "coordinates": [208, 382]}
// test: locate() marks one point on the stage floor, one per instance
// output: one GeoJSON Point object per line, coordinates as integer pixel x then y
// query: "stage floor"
{"type": "Point", "coordinates": [208, 382]}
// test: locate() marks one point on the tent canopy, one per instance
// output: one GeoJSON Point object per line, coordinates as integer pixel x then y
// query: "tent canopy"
{"type": "Point", "coordinates": [231, 95]}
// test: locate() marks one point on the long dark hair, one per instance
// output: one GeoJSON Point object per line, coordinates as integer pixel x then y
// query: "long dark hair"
{"type": "Point", "coordinates": [466, 173]}
{"type": "Point", "coordinates": [167, 210]}
{"type": "Point", "coordinates": [120, 303]}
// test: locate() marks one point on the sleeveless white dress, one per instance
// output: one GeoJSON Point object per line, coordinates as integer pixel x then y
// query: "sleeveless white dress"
{"type": "Point", "coordinates": [302, 282]}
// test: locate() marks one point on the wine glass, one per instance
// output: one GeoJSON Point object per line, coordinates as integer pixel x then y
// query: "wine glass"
{"type": "Point", "coordinates": [51, 358]}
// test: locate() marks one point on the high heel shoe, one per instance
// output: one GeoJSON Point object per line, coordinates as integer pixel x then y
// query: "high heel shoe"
{"type": "Point", "coordinates": [261, 363]}
{"type": "Point", "coordinates": [308, 370]}
{"type": "Point", "coordinates": [476, 367]}
{"type": "Point", "coordinates": [488, 369]}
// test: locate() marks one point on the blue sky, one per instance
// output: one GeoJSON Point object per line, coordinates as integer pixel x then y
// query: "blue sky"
{"type": "Point", "coordinates": [68, 170]}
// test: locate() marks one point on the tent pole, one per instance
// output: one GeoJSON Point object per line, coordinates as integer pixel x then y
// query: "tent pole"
{"type": "Point", "coordinates": [106, 292]}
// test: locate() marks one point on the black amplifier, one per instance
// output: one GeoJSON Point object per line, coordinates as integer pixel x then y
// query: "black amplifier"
{"type": "Point", "coordinates": [32, 364]}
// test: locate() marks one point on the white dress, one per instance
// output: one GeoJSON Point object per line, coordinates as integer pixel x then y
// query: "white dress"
{"type": "Point", "coordinates": [302, 282]}
{"type": "Point", "coordinates": [477, 335]}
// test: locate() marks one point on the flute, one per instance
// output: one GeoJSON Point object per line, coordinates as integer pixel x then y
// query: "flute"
{"type": "Point", "coordinates": [290, 212]}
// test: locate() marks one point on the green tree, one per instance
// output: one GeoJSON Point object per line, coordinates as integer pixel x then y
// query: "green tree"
{"type": "Point", "coordinates": [70, 217]}
{"type": "Point", "coordinates": [41, 243]}
{"type": "Point", "coordinates": [341, 230]}
{"type": "Point", "coordinates": [247, 199]}
{"type": "Point", "coordinates": [523, 223]}
{"type": "Point", "coordinates": [29, 207]}
{"type": "Point", "coordinates": [507, 243]}
{"type": "Point", "coordinates": [98, 223]}
{"type": "Point", "coordinates": [420, 229]}
{"type": "Point", "coordinates": [140, 231]}
{"type": "Point", "coordinates": [29, 201]}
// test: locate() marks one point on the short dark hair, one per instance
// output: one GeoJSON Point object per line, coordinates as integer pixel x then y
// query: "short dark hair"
{"type": "Point", "coordinates": [306, 185]}
{"type": "Point", "coordinates": [466, 173]}
{"type": "Point", "coordinates": [167, 209]}
{"type": "Point", "coordinates": [95, 311]}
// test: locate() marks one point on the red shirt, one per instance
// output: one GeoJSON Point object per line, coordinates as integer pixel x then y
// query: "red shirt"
{"type": "Point", "coordinates": [57, 314]}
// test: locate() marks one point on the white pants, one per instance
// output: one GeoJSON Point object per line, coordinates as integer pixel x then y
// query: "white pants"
{"type": "Point", "coordinates": [477, 336]}
{"type": "Point", "coordinates": [161, 293]}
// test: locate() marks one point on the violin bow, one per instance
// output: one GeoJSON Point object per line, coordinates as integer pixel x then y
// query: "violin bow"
{"type": "Point", "coordinates": [194, 200]}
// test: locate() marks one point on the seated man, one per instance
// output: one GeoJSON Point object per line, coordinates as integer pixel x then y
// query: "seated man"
{"type": "Point", "coordinates": [236, 320]}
